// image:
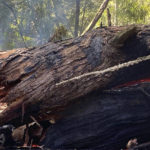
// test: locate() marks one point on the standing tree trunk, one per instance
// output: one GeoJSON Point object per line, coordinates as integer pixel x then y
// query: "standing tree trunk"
{"type": "Point", "coordinates": [108, 17]}
{"type": "Point", "coordinates": [97, 16]}
{"type": "Point", "coordinates": [116, 9]}
{"type": "Point", "coordinates": [77, 18]}
{"type": "Point", "coordinates": [83, 17]}
{"type": "Point", "coordinates": [16, 21]}
{"type": "Point", "coordinates": [55, 12]}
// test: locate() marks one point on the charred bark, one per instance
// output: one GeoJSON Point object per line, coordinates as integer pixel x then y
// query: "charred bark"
{"type": "Point", "coordinates": [42, 81]}
{"type": "Point", "coordinates": [104, 120]}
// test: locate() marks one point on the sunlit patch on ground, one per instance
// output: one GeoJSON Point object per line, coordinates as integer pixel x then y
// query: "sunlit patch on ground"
{"type": "Point", "coordinates": [3, 106]}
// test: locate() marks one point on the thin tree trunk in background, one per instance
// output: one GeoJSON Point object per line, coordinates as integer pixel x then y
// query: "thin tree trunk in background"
{"type": "Point", "coordinates": [83, 17]}
{"type": "Point", "coordinates": [77, 18]}
{"type": "Point", "coordinates": [19, 27]}
{"type": "Point", "coordinates": [97, 16]}
{"type": "Point", "coordinates": [55, 12]}
{"type": "Point", "coordinates": [116, 8]}
{"type": "Point", "coordinates": [108, 17]}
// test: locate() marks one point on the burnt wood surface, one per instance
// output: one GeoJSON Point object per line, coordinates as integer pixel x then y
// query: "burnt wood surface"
{"type": "Point", "coordinates": [104, 120]}
{"type": "Point", "coordinates": [42, 81]}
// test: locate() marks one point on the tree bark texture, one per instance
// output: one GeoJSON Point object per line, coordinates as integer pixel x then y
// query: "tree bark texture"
{"type": "Point", "coordinates": [42, 81]}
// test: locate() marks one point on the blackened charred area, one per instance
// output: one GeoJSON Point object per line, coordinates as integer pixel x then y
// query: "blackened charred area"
{"type": "Point", "coordinates": [136, 46]}
{"type": "Point", "coordinates": [93, 52]}
{"type": "Point", "coordinates": [30, 110]}
{"type": "Point", "coordinates": [131, 73]}
{"type": "Point", "coordinates": [103, 121]}
{"type": "Point", "coordinates": [52, 58]}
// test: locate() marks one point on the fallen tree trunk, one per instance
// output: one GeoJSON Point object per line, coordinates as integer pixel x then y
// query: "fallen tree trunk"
{"type": "Point", "coordinates": [44, 80]}
{"type": "Point", "coordinates": [104, 120]}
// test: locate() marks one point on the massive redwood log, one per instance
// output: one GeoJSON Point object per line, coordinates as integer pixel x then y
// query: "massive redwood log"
{"type": "Point", "coordinates": [42, 81]}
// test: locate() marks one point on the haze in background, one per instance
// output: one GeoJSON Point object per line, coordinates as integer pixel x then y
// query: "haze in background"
{"type": "Point", "coordinates": [28, 23]}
